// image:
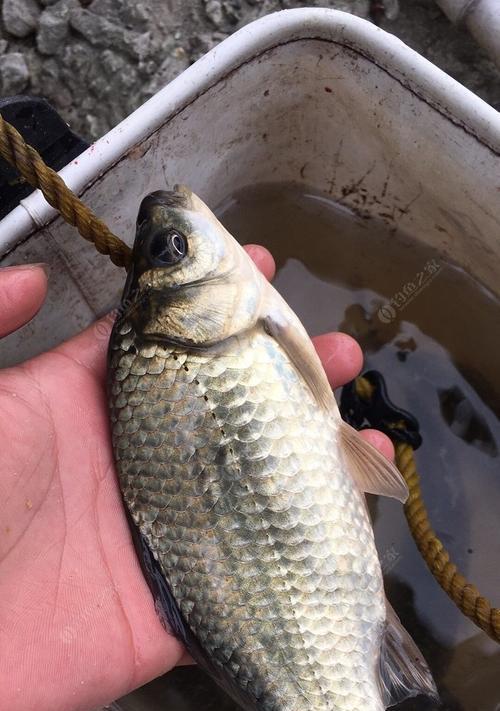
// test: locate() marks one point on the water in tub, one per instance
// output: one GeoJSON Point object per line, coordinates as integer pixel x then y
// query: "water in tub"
{"type": "Point", "coordinates": [432, 331]}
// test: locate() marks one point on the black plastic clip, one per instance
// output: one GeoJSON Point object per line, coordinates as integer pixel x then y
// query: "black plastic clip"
{"type": "Point", "coordinates": [378, 411]}
{"type": "Point", "coordinates": [41, 127]}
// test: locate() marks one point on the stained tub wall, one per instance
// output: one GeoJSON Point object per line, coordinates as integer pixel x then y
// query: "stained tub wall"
{"type": "Point", "coordinates": [311, 111]}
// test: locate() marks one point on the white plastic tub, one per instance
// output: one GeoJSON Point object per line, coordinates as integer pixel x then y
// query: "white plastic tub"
{"type": "Point", "coordinates": [315, 96]}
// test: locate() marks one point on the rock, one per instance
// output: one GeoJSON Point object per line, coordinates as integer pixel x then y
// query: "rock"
{"type": "Point", "coordinates": [200, 44]}
{"type": "Point", "coordinates": [3, 46]}
{"type": "Point", "coordinates": [173, 65]}
{"type": "Point", "coordinates": [53, 27]}
{"type": "Point", "coordinates": [113, 63]}
{"type": "Point", "coordinates": [76, 59]}
{"type": "Point", "coordinates": [20, 17]}
{"type": "Point", "coordinates": [55, 90]}
{"type": "Point", "coordinates": [101, 32]}
{"type": "Point", "coordinates": [14, 73]}
{"type": "Point", "coordinates": [222, 14]}
{"type": "Point", "coordinates": [215, 13]}
{"type": "Point", "coordinates": [95, 127]}
{"type": "Point", "coordinates": [232, 8]}
{"type": "Point", "coordinates": [135, 15]}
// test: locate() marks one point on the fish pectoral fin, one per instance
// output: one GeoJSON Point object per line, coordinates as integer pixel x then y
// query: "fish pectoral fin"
{"type": "Point", "coordinates": [373, 473]}
{"type": "Point", "coordinates": [282, 324]}
{"type": "Point", "coordinates": [403, 670]}
{"type": "Point", "coordinates": [165, 605]}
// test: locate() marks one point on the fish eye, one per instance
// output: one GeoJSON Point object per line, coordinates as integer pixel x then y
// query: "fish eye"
{"type": "Point", "coordinates": [167, 248]}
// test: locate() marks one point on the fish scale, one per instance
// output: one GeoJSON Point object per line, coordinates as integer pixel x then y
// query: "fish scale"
{"type": "Point", "coordinates": [243, 485]}
{"type": "Point", "coordinates": [233, 475]}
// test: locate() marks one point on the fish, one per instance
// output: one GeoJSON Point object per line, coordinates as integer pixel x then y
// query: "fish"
{"type": "Point", "coordinates": [245, 490]}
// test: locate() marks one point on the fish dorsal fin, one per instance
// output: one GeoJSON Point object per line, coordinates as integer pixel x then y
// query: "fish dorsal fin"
{"type": "Point", "coordinates": [403, 670]}
{"type": "Point", "coordinates": [284, 326]}
{"type": "Point", "coordinates": [373, 473]}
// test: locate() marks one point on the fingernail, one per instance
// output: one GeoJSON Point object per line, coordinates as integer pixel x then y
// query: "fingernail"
{"type": "Point", "coordinates": [26, 267]}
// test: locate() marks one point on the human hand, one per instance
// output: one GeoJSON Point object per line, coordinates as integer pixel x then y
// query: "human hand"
{"type": "Point", "coordinates": [78, 626]}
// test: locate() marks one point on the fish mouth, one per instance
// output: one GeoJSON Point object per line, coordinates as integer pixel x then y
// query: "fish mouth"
{"type": "Point", "coordinates": [179, 198]}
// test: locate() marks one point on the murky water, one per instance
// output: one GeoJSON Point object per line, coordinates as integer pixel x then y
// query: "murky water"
{"type": "Point", "coordinates": [434, 333]}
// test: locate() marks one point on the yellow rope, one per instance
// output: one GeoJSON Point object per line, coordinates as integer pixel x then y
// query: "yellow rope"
{"type": "Point", "coordinates": [464, 594]}
{"type": "Point", "coordinates": [30, 164]}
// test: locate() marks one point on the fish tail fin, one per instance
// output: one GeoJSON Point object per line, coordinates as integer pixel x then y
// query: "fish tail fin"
{"type": "Point", "coordinates": [403, 670]}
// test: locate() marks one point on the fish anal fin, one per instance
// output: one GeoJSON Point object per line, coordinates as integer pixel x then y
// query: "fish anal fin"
{"type": "Point", "coordinates": [403, 670]}
{"type": "Point", "coordinates": [373, 473]}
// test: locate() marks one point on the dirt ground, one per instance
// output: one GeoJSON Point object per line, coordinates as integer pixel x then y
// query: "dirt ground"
{"type": "Point", "coordinates": [98, 61]}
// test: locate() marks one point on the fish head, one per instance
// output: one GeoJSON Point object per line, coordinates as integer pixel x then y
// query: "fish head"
{"type": "Point", "coordinates": [190, 281]}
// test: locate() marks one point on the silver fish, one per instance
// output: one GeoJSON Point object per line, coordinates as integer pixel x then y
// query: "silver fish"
{"type": "Point", "coordinates": [245, 488]}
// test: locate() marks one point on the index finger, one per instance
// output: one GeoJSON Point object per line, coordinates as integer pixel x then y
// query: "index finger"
{"type": "Point", "coordinates": [262, 258]}
{"type": "Point", "coordinates": [22, 292]}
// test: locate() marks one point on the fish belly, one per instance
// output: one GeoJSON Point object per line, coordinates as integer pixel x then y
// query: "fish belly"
{"type": "Point", "coordinates": [233, 475]}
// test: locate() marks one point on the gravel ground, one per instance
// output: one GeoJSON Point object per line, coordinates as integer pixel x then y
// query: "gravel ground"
{"type": "Point", "coordinates": [97, 61]}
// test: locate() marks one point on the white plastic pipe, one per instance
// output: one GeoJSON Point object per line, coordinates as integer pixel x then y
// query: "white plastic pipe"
{"type": "Point", "coordinates": [481, 17]}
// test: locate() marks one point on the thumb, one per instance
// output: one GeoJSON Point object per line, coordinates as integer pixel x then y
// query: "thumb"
{"type": "Point", "coordinates": [22, 292]}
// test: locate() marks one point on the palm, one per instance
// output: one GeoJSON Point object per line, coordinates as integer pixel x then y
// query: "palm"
{"type": "Point", "coordinates": [77, 601]}
{"type": "Point", "coordinates": [77, 623]}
